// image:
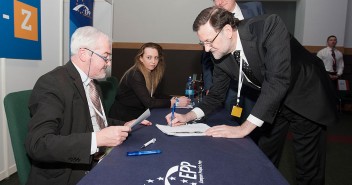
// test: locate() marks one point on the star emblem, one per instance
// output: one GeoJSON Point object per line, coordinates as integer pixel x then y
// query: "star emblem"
{"type": "Point", "coordinates": [150, 181]}
{"type": "Point", "coordinates": [160, 178]}
{"type": "Point", "coordinates": [184, 181]}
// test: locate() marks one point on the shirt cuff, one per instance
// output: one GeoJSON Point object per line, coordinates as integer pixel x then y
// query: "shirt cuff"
{"type": "Point", "coordinates": [198, 112]}
{"type": "Point", "coordinates": [93, 146]}
{"type": "Point", "coordinates": [255, 120]}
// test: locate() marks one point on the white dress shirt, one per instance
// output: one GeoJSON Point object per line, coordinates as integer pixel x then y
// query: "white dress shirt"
{"type": "Point", "coordinates": [326, 57]}
{"type": "Point", "coordinates": [85, 81]}
{"type": "Point", "coordinates": [238, 13]}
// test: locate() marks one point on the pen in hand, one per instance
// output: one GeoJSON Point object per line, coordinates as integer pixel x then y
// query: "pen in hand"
{"type": "Point", "coordinates": [149, 142]}
{"type": "Point", "coordinates": [173, 113]}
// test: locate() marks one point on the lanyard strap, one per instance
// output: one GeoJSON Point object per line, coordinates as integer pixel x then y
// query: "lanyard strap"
{"type": "Point", "coordinates": [240, 82]}
{"type": "Point", "coordinates": [100, 114]}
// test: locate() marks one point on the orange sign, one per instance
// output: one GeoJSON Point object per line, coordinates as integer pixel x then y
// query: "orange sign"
{"type": "Point", "coordinates": [26, 21]}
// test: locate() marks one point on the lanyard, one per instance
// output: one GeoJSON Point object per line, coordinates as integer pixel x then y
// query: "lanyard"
{"type": "Point", "coordinates": [240, 82]}
{"type": "Point", "coordinates": [100, 114]}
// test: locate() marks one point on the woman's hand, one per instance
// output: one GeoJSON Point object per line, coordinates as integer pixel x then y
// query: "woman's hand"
{"type": "Point", "coordinates": [144, 122]}
{"type": "Point", "coordinates": [182, 101]}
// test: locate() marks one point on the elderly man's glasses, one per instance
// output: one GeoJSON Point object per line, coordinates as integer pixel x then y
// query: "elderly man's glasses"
{"type": "Point", "coordinates": [210, 43]}
{"type": "Point", "coordinates": [106, 59]}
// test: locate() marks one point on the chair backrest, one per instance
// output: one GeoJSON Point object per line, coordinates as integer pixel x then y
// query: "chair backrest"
{"type": "Point", "coordinates": [18, 116]}
{"type": "Point", "coordinates": [109, 89]}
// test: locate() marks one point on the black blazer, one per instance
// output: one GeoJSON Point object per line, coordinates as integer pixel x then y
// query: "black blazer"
{"type": "Point", "coordinates": [59, 133]}
{"type": "Point", "coordinates": [289, 74]}
{"type": "Point", "coordinates": [133, 98]}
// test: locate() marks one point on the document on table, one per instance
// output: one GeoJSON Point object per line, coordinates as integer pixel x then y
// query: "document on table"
{"type": "Point", "coordinates": [196, 129]}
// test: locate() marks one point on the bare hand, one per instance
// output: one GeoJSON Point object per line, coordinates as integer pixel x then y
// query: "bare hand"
{"type": "Point", "coordinates": [144, 122]}
{"type": "Point", "coordinates": [183, 101]}
{"type": "Point", "coordinates": [112, 136]}
{"type": "Point", "coordinates": [333, 77]}
{"type": "Point", "coordinates": [231, 131]}
{"type": "Point", "coordinates": [179, 119]}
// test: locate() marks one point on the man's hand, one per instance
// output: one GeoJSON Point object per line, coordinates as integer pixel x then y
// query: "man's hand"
{"type": "Point", "coordinates": [112, 136]}
{"type": "Point", "coordinates": [333, 77]}
{"type": "Point", "coordinates": [180, 119]}
{"type": "Point", "coordinates": [231, 131]}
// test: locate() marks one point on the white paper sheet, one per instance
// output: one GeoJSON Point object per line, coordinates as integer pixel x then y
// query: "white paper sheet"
{"type": "Point", "coordinates": [196, 129]}
{"type": "Point", "coordinates": [142, 117]}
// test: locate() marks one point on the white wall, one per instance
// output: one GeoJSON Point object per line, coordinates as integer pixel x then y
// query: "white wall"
{"type": "Point", "coordinates": [170, 21]}
{"type": "Point", "coordinates": [163, 21]}
{"type": "Point", "coordinates": [324, 18]}
{"type": "Point", "coordinates": [16, 75]}
{"type": "Point", "coordinates": [348, 31]}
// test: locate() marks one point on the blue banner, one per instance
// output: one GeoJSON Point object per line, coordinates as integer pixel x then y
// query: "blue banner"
{"type": "Point", "coordinates": [20, 32]}
{"type": "Point", "coordinates": [81, 14]}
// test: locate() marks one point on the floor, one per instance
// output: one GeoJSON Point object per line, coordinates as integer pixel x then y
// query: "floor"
{"type": "Point", "coordinates": [339, 156]}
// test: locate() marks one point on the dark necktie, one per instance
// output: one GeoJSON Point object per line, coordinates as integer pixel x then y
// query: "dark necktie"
{"type": "Point", "coordinates": [246, 69]}
{"type": "Point", "coordinates": [333, 60]}
{"type": "Point", "coordinates": [94, 96]}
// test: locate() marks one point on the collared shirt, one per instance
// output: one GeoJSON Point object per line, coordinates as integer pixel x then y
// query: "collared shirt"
{"type": "Point", "coordinates": [199, 112]}
{"type": "Point", "coordinates": [85, 80]}
{"type": "Point", "coordinates": [238, 13]}
{"type": "Point", "coordinates": [326, 57]}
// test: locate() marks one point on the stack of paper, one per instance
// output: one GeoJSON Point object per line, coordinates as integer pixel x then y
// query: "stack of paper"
{"type": "Point", "coordinates": [197, 129]}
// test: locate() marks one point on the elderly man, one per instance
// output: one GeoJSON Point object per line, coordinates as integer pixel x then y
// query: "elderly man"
{"type": "Point", "coordinates": [292, 86]}
{"type": "Point", "coordinates": [68, 129]}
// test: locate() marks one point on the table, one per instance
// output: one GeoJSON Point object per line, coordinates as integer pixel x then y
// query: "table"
{"type": "Point", "coordinates": [185, 160]}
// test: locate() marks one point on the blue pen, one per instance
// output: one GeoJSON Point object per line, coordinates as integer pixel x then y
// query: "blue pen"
{"type": "Point", "coordinates": [145, 152]}
{"type": "Point", "coordinates": [173, 113]}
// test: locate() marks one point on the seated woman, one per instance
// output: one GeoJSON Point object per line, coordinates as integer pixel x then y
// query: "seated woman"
{"type": "Point", "coordinates": [137, 86]}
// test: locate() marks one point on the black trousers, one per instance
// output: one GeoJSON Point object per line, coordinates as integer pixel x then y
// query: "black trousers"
{"type": "Point", "coordinates": [309, 142]}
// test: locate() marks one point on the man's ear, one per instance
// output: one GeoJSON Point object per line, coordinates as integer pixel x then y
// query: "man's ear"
{"type": "Point", "coordinates": [84, 55]}
{"type": "Point", "coordinates": [228, 31]}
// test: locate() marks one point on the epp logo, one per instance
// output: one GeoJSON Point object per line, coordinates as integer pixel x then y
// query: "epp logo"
{"type": "Point", "coordinates": [83, 10]}
{"type": "Point", "coordinates": [26, 21]}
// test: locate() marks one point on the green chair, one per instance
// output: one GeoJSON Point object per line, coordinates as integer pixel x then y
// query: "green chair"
{"type": "Point", "coordinates": [18, 116]}
{"type": "Point", "coordinates": [109, 89]}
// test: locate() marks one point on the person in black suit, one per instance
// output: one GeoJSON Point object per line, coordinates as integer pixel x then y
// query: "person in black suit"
{"type": "Point", "coordinates": [138, 86]}
{"type": "Point", "coordinates": [241, 11]}
{"type": "Point", "coordinates": [294, 92]}
{"type": "Point", "coordinates": [64, 134]}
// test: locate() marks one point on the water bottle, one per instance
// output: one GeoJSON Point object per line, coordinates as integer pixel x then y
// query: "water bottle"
{"type": "Point", "coordinates": [189, 92]}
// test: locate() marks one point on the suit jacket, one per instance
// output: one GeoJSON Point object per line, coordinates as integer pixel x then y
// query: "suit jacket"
{"type": "Point", "coordinates": [251, 9]}
{"type": "Point", "coordinates": [289, 74]}
{"type": "Point", "coordinates": [133, 98]}
{"type": "Point", "coordinates": [59, 133]}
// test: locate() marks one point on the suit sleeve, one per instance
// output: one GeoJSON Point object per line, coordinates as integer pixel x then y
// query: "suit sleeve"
{"type": "Point", "coordinates": [46, 141]}
{"type": "Point", "coordinates": [277, 69]}
{"type": "Point", "coordinates": [217, 92]}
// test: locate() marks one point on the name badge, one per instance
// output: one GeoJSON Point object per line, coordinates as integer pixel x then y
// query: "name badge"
{"type": "Point", "coordinates": [236, 111]}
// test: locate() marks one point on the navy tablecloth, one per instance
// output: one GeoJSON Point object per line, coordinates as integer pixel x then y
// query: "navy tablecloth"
{"type": "Point", "coordinates": [185, 160]}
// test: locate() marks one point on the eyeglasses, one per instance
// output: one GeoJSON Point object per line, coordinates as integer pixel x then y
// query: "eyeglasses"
{"type": "Point", "coordinates": [210, 43]}
{"type": "Point", "coordinates": [106, 59]}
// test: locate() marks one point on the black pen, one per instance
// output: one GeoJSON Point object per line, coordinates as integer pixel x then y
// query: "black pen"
{"type": "Point", "coordinates": [149, 142]}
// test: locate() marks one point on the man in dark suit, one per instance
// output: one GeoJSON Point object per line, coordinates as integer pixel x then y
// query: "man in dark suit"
{"type": "Point", "coordinates": [294, 92]}
{"type": "Point", "coordinates": [241, 11]}
{"type": "Point", "coordinates": [67, 129]}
